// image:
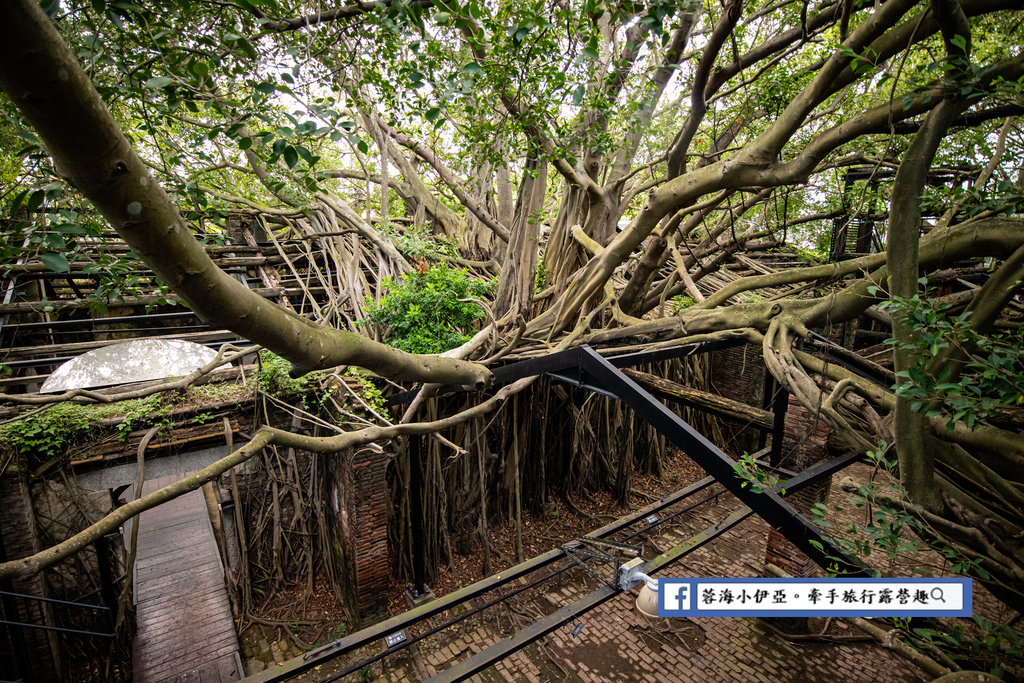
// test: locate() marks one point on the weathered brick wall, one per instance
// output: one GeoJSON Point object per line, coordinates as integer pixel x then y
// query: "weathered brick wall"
{"type": "Point", "coordinates": [20, 539]}
{"type": "Point", "coordinates": [805, 443]}
{"type": "Point", "coordinates": [806, 438]}
{"type": "Point", "coordinates": [356, 490]}
{"type": "Point", "coordinates": [738, 373]}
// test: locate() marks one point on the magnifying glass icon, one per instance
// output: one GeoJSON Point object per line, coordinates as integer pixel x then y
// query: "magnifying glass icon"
{"type": "Point", "coordinates": [938, 595]}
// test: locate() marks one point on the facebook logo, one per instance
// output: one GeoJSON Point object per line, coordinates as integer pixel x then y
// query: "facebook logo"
{"type": "Point", "coordinates": [755, 597]}
{"type": "Point", "coordinates": [674, 597]}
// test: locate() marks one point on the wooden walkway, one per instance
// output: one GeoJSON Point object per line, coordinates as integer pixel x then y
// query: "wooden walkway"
{"type": "Point", "coordinates": [185, 628]}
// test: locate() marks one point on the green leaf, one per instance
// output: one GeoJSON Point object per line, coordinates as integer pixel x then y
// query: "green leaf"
{"type": "Point", "coordinates": [18, 199]}
{"type": "Point", "coordinates": [291, 157]}
{"type": "Point", "coordinates": [58, 263]}
{"type": "Point", "coordinates": [473, 68]}
{"type": "Point", "coordinates": [306, 155]}
{"type": "Point", "coordinates": [158, 82]}
{"type": "Point", "coordinates": [266, 88]}
{"type": "Point", "coordinates": [199, 69]}
{"type": "Point", "coordinates": [363, 147]}
{"type": "Point", "coordinates": [35, 201]}
{"type": "Point", "coordinates": [959, 41]}
{"type": "Point", "coordinates": [578, 93]}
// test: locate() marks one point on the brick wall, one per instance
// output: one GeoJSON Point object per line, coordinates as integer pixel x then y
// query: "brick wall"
{"type": "Point", "coordinates": [356, 490]}
{"type": "Point", "coordinates": [805, 443]}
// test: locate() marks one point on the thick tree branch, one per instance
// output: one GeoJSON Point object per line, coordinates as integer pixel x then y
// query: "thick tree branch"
{"type": "Point", "coordinates": [452, 183]}
{"type": "Point", "coordinates": [47, 84]}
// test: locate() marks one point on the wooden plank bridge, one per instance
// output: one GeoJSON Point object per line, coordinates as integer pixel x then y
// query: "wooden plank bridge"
{"type": "Point", "coordinates": [185, 628]}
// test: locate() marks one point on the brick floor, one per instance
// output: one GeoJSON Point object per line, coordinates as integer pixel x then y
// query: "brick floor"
{"type": "Point", "coordinates": [618, 643]}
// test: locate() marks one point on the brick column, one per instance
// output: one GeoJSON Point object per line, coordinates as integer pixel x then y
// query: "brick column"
{"type": "Point", "coordinates": [369, 518]}
{"type": "Point", "coordinates": [738, 373]}
{"type": "Point", "coordinates": [805, 443]}
{"type": "Point", "coordinates": [358, 514]}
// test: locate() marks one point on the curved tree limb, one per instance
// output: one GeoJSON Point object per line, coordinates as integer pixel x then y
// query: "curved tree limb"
{"type": "Point", "coordinates": [47, 84]}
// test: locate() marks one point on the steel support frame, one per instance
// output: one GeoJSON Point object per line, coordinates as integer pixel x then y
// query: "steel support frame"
{"type": "Point", "coordinates": [768, 504]}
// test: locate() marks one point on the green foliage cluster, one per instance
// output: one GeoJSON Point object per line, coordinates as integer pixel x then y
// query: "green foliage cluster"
{"type": "Point", "coordinates": [813, 256]}
{"type": "Point", "coordinates": [49, 433]}
{"type": "Point", "coordinates": [371, 392]}
{"type": "Point", "coordinates": [992, 647]}
{"type": "Point", "coordinates": [418, 241]}
{"type": "Point", "coordinates": [893, 530]}
{"type": "Point", "coordinates": [540, 277]}
{"type": "Point", "coordinates": [273, 376]}
{"type": "Point", "coordinates": [888, 527]}
{"type": "Point", "coordinates": [1001, 197]}
{"type": "Point", "coordinates": [755, 476]}
{"type": "Point", "coordinates": [992, 377]}
{"type": "Point", "coordinates": [681, 303]}
{"type": "Point", "coordinates": [423, 313]}
{"type": "Point", "coordinates": [42, 226]}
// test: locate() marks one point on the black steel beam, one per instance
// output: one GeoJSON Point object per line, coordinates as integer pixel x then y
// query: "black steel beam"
{"type": "Point", "coordinates": [552, 363]}
{"type": "Point", "coordinates": [779, 408]}
{"type": "Point", "coordinates": [628, 360]}
{"type": "Point", "coordinates": [768, 505]}
{"type": "Point", "coordinates": [561, 364]}
{"type": "Point", "coordinates": [580, 384]}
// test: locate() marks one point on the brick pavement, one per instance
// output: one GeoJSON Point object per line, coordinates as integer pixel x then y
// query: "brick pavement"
{"type": "Point", "coordinates": [619, 644]}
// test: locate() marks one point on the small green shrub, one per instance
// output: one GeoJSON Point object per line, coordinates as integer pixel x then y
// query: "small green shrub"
{"type": "Point", "coordinates": [811, 256]}
{"type": "Point", "coordinates": [370, 391]}
{"type": "Point", "coordinates": [540, 277]}
{"type": "Point", "coordinates": [681, 303]}
{"type": "Point", "coordinates": [419, 242]}
{"type": "Point", "coordinates": [338, 632]}
{"type": "Point", "coordinates": [752, 298]}
{"type": "Point", "coordinates": [422, 311]}
{"type": "Point", "coordinates": [273, 377]}
{"type": "Point", "coordinates": [754, 476]}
